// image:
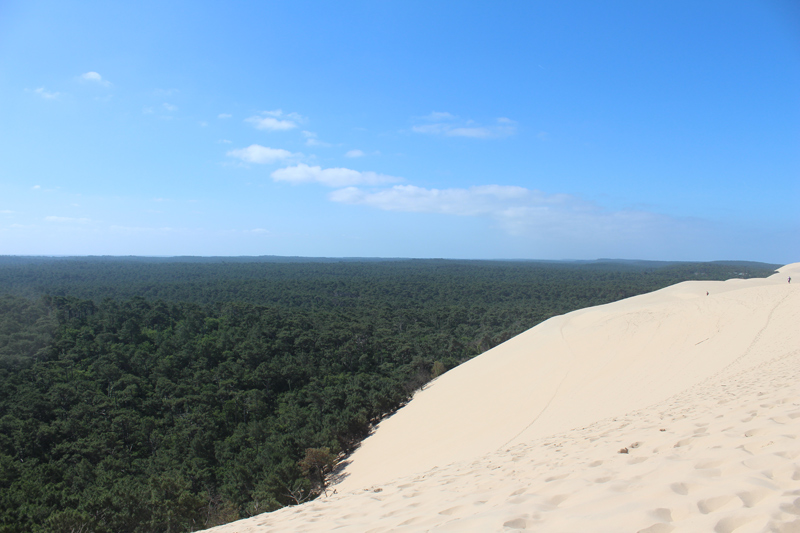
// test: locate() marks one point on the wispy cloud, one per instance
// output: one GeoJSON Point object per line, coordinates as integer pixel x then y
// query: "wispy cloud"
{"type": "Point", "coordinates": [436, 116]}
{"type": "Point", "coordinates": [275, 120]}
{"type": "Point", "coordinates": [47, 95]}
{"type": "Point", "coordinates": [312, 140]}
{"type": "Point", "coordinates": [331, 177]}
{"type": "Point", "coordinates": [255, 153]}
{"type": "Point", "coordinates": [448, 125]}
{"type": "Point", "coordinates": [517, 210]}
{"type": "Point", "coordinates": [169, 107]}
{"type": "Point", "coordinates": [94, 77]}
{"type": "Point", "coordinates": [482, 200]}
{"type": "Point", "coordinates": [354, 153]}
{"type": "Point", "coordinates": [65, 220]}
{"type": "Point", "coordinates": [224, 115]}
{"type": "Point", "coordinates": [140, 229]}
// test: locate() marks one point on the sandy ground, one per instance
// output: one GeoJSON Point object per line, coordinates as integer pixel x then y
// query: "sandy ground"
{"type": "Point", "coordinates": [676, 410]}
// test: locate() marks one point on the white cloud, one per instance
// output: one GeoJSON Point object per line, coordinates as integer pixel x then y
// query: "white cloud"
{"type": "Point", "coordinates": [170, 107]}
{"type": "Point", "coordinates": [483, 200]}
{"type": "Point", "coordinates": [354, 153]}
{"type": "Point", "coordinates": [224, 141]}
{"type": "Point", "coordinates": [332, 177]}
{"type": "Point", "coordinates": [255, 153]}
{"type": "Point", "coordinates": [36, 187]}
{"type": "Point", "coordinates": [47, 95]}
{"type": "Point", "coordinates": [139, 229]}
{"type": "Point", "coordinates": [95, 78]}
{"type": "Point", "coordinates": [475, 133]}
{"type": "Point", "coordinates": [311, 139]}
{"type": "Point", "coordinates": [62, 220]}
{"type": "Point", "coordinates": [270, 123]}
{"type": "Point", "coordinates": [277, 113]}
{"type": "Point", "coordinates": [259, 231]}
{"type": "Point", "coordinates": [432, 129]}
{"type": "Point", "coordinates": [437, 116]}
{"type": "Point", "coordinates": [224, 115]}
{"type": "Point", "coordinates": [503, 127]}
{"type": "Point", "coordinates": [275, 120]}
{"type": "Point", "coordinates": [517, 210]}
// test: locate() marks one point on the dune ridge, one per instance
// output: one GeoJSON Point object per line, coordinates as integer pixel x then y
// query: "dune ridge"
{"type": "Point", "coordinates": [677, 410]}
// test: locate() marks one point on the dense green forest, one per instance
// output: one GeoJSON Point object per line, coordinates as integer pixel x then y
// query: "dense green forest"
{"type": "Point", "coordinates": [171, 395]}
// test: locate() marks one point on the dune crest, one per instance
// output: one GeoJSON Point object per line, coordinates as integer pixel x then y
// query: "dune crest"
{"type": "Point", "coordinates": [677, 410]}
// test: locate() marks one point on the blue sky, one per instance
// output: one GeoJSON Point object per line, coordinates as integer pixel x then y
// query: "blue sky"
{"type": "Point", "coordinates": [519, 129]}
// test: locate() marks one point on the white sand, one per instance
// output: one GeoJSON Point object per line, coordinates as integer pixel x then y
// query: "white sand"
{"type": "Point", "coordinates": [701, 390]}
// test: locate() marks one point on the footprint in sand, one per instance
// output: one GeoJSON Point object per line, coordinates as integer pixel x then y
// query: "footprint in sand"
{"type": "Point", "coordinates": [788, 454]}
{"type": "Point", "coordinates": [764, 461]}
{"type": "Point", "coordinates": [414, 520]}
{"type": "Point", "coordinates": [522, 522]}
{"type": "Point", "coordinates": [393, 513]}
{"type": "Point", "coordinates": [669, 515]}
{"type": "Point", "coordinates": [752, 497]}
{"type": "Point", "coordinates": [520, 499]}
{"type": "Point", "coordinates": [683, 488]}
{"type": "Point", "coordinates": [792, 508]}
{"type": "Point", "coordinates": [731, 523]}
{"type": "Point", "coordinates": [780, 473]}
{"type": "Point", "coordinates": [711, 505]}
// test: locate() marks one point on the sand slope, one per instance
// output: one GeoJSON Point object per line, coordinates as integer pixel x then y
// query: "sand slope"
{"type": "Point", "coordinates": [701, 390]}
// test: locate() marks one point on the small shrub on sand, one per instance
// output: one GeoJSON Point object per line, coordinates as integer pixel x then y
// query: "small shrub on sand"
{"type": "Point", "coordinates": [317, 466]}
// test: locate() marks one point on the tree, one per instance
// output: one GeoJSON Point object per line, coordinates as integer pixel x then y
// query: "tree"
{"type": "Point", "coordinates": [317, 466]}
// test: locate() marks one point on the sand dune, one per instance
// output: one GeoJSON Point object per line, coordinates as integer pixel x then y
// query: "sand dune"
{"type": "Point", "coordinates": [676, 410]}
